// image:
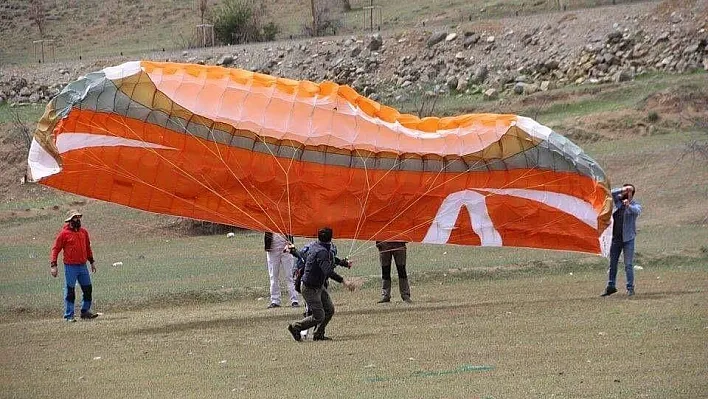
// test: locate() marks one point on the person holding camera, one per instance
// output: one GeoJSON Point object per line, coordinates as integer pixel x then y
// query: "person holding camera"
{"type": "Point", "coordinates": [624, 230]}
{"type": "Point", "coordinates": [319, 267]}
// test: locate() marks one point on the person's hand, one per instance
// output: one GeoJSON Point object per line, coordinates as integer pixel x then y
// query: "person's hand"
{"type": "Point", "coordinates": [93, 267]}
{"type": "Point", "coordinates": [349, 285]}
{"type": "Point", "coordinates": [53, 270]}
{"type": "Point", "coordinates": [625, 202]}
{"type": "Point", "coordinates": [349, 263]}
{"type": "Point", "coordinates": [288, 248]}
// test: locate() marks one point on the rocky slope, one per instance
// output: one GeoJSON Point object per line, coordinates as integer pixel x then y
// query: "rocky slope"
{"type": "Point", "coordinates": [514, 55]}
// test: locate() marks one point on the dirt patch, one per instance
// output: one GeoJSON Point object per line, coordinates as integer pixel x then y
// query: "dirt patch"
{"type": "Point", "coordinates": [679, 99]}
{"type": "Point", "coordinates": [674, 8]}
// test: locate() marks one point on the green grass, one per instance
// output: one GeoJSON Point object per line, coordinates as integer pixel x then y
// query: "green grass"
{"type": "Point", "coordinates": [526, 336]}
{"type": "Point", "coordinates": [27, 114]}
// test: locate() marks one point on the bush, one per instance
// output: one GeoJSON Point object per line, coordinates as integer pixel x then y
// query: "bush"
{"type": "Point", "coordinates": [270, 31]}
{"type": "Point", "coordinates": [238, 21]}
{"type": "Point", "coordinates": [653, 117]}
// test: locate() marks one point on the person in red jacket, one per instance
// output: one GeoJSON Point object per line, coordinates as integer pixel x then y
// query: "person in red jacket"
{"type": "Point", "coordinates": [74, 241]}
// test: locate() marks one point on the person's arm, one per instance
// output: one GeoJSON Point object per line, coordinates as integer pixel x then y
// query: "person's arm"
{"type": "Point", "coordinates": [292, 250]}
{"type": "Point", "coordinates": [634, 208]}
{"type": "Point", "coordinates": [336, 277]}
{"type": "Point", "coordinates": [328, 269]}
{"type": "Point", "coordinates": [617, 196]}
{"type": "Point", "coordinates": [89, 253]}
{"type": "Point", "coordinates": [343, 262]}
{"type": "Point", "coordinates": [58, 246]}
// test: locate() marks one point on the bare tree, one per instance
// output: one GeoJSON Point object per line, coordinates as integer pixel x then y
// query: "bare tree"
{"type": "Point", "coordinates": [324, 20]}
{"type": "Point", "coordinates": [38, 15]}
{"type": "Point", "coordinates": [313, 12]}
{"type": "Point", "coordinates": [202, 9]}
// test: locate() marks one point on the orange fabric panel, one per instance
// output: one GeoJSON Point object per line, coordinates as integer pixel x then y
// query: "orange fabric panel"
{"type": "Point", "coordinates": [463, 233]}
{"type": "Point", "coordinates": [542, 227]}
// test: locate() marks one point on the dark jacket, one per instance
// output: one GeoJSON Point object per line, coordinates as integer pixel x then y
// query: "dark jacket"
{"type": "Point", "coordinates": [319, 266]}
{"type": "Point", "coordinates": [268, 240]}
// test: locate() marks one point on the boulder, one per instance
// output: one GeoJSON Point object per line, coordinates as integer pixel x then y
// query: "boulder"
{"type": "Point", "coordinates": [624, 76]}
{"type": "Point", "coordinates": [471, 40]}
{"type": "Point", "coordinates": [436, 38]}
{"type": "Point", "coordinates": [375, 43]}
{"type": "Point", "coordinates": [491, 94]}
{"type": "Point", "coordinates": [451, 82]}
{"type": "Point", "coordinates": [225, 60]}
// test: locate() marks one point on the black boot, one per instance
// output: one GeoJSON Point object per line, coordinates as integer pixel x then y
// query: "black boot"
{"type": "Point", "coordinates": [405, 289]}
{"type": "Point", "coordinates": [385, 291]}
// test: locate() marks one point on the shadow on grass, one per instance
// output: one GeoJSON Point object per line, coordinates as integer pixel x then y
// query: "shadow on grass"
{"type": "Point", "coordinates": [242, 322]}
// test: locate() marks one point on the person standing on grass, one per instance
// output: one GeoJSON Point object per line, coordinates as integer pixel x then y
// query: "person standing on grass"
{"type": "Point", "coordinates": [74, 241]}
{"type": "Point", "coordinates": [279, 261]}
{"type": "Point", "coordinates": [396, 251]}
{"type": "Point", "coordinates": [624, 230]}
{"type": "Point", "coordinates": [319, 266]}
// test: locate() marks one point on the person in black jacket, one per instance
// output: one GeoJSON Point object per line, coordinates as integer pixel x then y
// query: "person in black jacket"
{"type": "Point", "coordinates": [319, 266]}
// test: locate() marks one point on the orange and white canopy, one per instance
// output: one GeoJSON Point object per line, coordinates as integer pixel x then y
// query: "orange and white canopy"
{"type": "Point", "coordinates": [272, 154]}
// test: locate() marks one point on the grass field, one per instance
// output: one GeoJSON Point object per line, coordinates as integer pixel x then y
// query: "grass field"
{"type": "Point", "coordinates": [185, 316]}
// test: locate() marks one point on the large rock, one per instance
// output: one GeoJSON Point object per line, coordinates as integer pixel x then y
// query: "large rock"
{"type": "Point", "coordinates": [462, 84]}
{"type": "Point", "coordinates": [491, 94]}
{"type": "Point", "coordinates": [691, 49]}
{"type": "Point", "coordinates": [471, 40]}
{"type": "Point", "coordinates": [225, 60]}
{"type": "Point", "coordinates": [624, 76]}
{"type": "Point", "coordinates": [452, 82]}
{"type": "Point", "coordinates": [376, 42]}
{"type": "Point", "coordinates": [452, 36]}
{"type": "Point", "coordinates": [436, 38]}
{"type": "Point", "coordinates": [480, 75]}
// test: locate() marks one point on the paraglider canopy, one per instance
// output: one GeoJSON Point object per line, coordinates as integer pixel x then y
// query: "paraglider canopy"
{"type": "Point", "coordinates": [273, 154]}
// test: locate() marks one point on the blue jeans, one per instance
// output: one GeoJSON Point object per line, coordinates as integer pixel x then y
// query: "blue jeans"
{"type": "Point", "coordinates": [627, 248]}
{"type": "Point", "coordinates": [73, 273]}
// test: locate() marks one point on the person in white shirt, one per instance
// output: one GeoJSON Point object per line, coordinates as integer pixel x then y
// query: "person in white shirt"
{"type": "Point", "coordinates": [279, 261]}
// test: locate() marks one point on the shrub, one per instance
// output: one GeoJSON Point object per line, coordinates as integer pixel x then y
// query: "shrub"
{"type": "Point", "coordinates": [239, 21]}
{"type": "Point", "coordinates": [270, 30]}
{"type": "Point", "coordinates": [653, 117]}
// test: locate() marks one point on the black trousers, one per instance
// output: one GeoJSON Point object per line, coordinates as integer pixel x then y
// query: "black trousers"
{"type": "Point", "coordinates": [395, 251]}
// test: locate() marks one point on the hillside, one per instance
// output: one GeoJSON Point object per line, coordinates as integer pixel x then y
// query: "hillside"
{"type": "Point", "coordinates": [90, 28]}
